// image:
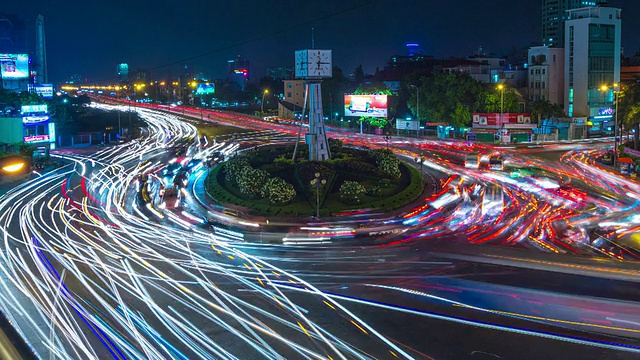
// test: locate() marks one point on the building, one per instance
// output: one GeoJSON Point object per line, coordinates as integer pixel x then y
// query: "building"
{"type": "Point", "coordinates": [546, 74]}
{"type": "Point", "coordinates": [14, 59]}
{"type": "Point", "coordinates": [293, 101]}
{"type": "Point", "coordinates": [122, 73]}
{"type": "Point", "coordinates": [238, 71]}
{"type": "Point", "coordinates": [13, 35]}
{"type": "Point", "coordinates": [554, 14]}
{"type": "Point", "coordinates": [592, 59]}
{"type": "Point", "coordinates": [41, 71]}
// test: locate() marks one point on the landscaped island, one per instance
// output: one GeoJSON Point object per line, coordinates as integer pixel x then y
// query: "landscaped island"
{"type": "Point", "coordinates": [267, 182]}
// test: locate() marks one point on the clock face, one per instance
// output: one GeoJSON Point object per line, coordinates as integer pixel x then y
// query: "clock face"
{"type": "Point", "coordinates": [320, 63]}
{"type": "Point", "coordinates": [302, 64]}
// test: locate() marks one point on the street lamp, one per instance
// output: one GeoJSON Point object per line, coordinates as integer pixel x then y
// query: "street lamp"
{"type": "Point", "coordinates": [318, 183]}
{"type": "Point", "coordinates": [265, 92]}
{"type": "Point", "coordinates": [417, 109]}
{"type": "Point", "coordinates": [615, 123]}
{"type": "Point", "coordinates": [501, 88]}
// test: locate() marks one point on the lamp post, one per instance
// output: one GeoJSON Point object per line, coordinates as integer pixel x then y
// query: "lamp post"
{"type": "Point", "coordinates": [417, 108]}
{"type": "Point", "coordinates": [318, 183]}
{"type": "Point", "coordinates": [265, 92]}
{"type": "Point", "coordinates": [501, 88]}
{"type": "Point", "coordinates": [615, 121]}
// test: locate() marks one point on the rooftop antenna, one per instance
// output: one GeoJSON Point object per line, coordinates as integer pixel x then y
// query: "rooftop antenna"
{"type": "Point", "coordinates": [313, 38]}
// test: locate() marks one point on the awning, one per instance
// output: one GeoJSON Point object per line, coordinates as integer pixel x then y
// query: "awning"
{"type": "Point", "coordinates": [625, 160]}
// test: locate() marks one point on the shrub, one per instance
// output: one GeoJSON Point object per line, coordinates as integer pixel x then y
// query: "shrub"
{"type": "Point", "coordinates": [350, 191]}
{"type": "Point", "coordinates": [279, 191]}
{"type": "Point", "coordinates": [335, 146]}
{"type": "Point", "coordinates": [234, 167]}
{"type": "Point", "coordinates": [386, 161]}
{"type": "Point", "coordinates": [384, 182]}
{"type": "Point", "coordinates": [375, 191]}
{"type": "Point", "coordinates": [251, 181]}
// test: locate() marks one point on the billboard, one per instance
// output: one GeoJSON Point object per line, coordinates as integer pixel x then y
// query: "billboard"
{"type": "Point", "coordinates": [34, 109]}
{"type": "Point", "coordinates": [496, 120]}
{"type": "Point", "coordinates": [44, 90]}
{"type": "Point", "coordinates": [206, 88]}
{"type": "Point", "coordinates": [14, 66]}
{"type": "Point", "coordinates": [407, 124]}
{"type": "Point", "coordinates": [365, 105]}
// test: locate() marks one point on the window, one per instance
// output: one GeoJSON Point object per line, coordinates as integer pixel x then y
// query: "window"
{"type": "Point", "coordinates": [289, 94]}
{"type": "Point", "coordinates": [289, 86]}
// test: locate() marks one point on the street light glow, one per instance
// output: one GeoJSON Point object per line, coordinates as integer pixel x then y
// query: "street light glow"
{"type": "Point", "coordinates": [13, 167]}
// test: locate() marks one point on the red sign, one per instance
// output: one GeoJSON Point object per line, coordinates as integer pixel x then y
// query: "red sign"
{"type": "Point", "coordinates": [497, 119]}
{"type": "Point", "coordinates": [36, 138]}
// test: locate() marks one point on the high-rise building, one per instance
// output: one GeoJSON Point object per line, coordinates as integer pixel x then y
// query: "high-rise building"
{"type": "Point", "coordinates": [592, 60]}
{"type": "Point", "coordinates": [239, 71]}
{"type": "Point", "coordinates": [546, 74]}
{"type": "Point", "coordinates": [13, 35]}
{"type": "Point", "coordinates": [122, 73]}
{"type": "Point", "coordinates": [41, 53]}
{"type": "Point", "coordinates": [554, 14]}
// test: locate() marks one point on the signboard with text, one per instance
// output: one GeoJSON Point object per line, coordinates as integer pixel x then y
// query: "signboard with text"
{"type": "Point", "coordinates": [498, 120]}
{"type": "Point", "coordinates": [34, 109]}
{"type": "Point", "coordinates": [44, 90]}
{"type": "Point", "coordinates": [365, 105]}
{"type": "Point", "coordinates": [14, 66]}
{"type": "Point", "coordinates": [407, 125]}
{"type": "Point", "coordinates": [36, 138]}
{"type": "Point", "coordinates": [631, 152]}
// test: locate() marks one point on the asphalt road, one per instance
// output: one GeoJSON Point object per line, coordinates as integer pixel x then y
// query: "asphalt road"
{"type": "Point", "coordinates": [90, 271]}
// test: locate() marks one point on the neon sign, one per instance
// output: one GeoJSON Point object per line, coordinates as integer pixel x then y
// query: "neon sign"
{"type": "Point", "coordinates": [36, 138]}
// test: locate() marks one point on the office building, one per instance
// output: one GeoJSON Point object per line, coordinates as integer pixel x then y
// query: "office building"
{"type": "Point", "coordinates": [554, 14]}
{"type": "Point", "coordinates": [122, 73]}
{"type": "Point", "coordinates": [546, 74]}
{"type": "Point", "coordinates": [592, 59]}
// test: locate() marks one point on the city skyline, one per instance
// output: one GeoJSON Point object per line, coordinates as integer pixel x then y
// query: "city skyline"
{"type": "Point", "coordinates": [367, 33]}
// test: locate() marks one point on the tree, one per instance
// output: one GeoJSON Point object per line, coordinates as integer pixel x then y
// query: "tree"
{"type": "Point", "coordinates": [445, 97]}
{"type": "Point", "coordinates": [544, 109]}
{"type": "Point", "coordinates": [333, 90]}
{"type": "Point", "coordinates": [494, 102]}
{"type": "Point", "coordinates": [376, 88]}
{"type": "Point", "coordinates": [629, 109]}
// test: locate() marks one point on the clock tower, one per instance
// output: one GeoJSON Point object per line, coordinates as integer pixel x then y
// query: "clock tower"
{"type": "Point", "coordinates": [314, 65]}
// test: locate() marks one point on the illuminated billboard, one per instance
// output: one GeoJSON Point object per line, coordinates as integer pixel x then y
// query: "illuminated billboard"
{"type": "Point", "coordinates": [206, 88]}
{"type": "Point", "coordinates": [14, 66]}
{"type": "Point", "coordinates": [34, 109]}
{"type": "Point", "coordinates": [44, 90]}
{"type": "Point", "coordinates": [365, 105]}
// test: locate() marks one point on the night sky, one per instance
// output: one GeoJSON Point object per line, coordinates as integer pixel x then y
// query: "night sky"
{"type": "Point", "coordinates": [91, 37]}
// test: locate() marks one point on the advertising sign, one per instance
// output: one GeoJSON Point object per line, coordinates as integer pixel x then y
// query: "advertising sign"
{"type": "Point", "coordinates": [44, 90]}
{"type": "Point", "coordinates": [34, 109]}
{"type": "Point", "coordinates": [407, 125]}
{"type": "Point", "coordinates": [365, 105]}
{"type": "Point", "coordinates": [496, 120]}
{"type": "Point", "coordinates": [31, 120]}
{"type": "Point", "coordinates": [207, 88]}
{"type": "Point", "coordinates": [36, 138]}
{"type": "Point", "coordinates": [14, 66]}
